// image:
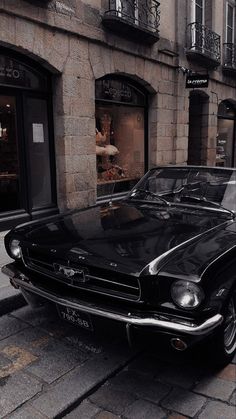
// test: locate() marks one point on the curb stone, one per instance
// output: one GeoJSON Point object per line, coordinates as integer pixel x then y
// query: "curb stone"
{"type": "Point", "coordinates": [10, 299]}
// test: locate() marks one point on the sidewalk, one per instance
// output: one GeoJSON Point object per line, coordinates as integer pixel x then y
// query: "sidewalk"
{"type": "Point", "coordinates": [9, 297]}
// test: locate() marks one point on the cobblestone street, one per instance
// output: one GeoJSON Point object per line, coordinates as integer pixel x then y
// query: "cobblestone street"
{"type": "Point", "coordinates": [49, 369]}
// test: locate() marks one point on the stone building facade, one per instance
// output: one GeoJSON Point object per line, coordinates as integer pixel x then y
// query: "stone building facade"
{"type": "Point", "coordinates": [95, 55]}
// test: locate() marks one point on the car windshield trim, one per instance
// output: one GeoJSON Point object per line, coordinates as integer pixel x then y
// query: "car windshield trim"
{"type": "Point", "coordinates": [148, 192]}
{"type": "Point", "coordinates": [217, 208]}
{"type": "Point", "coordinates": [212, 186]}
{"type": "Point", "coordinates": [207, 201]}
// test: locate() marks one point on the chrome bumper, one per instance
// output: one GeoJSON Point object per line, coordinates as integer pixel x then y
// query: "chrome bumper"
{"type": "Point", "coordinates": [161, 322]}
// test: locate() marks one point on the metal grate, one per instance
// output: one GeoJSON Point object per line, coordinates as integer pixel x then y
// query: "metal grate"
{"type": "Point", "coordinates": [203, 40]}
{"type": "Point", "coordinates": [143, 13]}
{"type": "Point", "coordinates": [89, 278]}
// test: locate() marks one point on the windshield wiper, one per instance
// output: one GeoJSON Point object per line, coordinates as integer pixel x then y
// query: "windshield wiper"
{"type": "Point", "coordinates": [207, 201]}
{"type": "Point", "coordinates": [147, 192]}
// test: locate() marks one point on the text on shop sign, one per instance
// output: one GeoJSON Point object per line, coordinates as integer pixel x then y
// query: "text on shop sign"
{"type": "Point", "coordinates": [197, 81]}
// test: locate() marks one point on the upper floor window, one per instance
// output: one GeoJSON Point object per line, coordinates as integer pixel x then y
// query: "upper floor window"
{"type": "Point", "coordinates": [198, 11]}
{"type": "Point", "coordinates": [139, 12]}
{"type": "Point", "coordinates": [136, 19]}
{"type": "Point", "coordinates": [230, 22]}
{"type": "Point", "coordinates": [202, 42]}
{"type": "Point", "coordinates": [201, 12]}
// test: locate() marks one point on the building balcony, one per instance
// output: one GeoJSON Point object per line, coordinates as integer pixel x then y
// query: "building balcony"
{"type": "Point", "coordinates": [134, 19]}
{"type": "Point", "coordinates": [229, 59]}
{"type": "Point", "coordinates": [203, 45]}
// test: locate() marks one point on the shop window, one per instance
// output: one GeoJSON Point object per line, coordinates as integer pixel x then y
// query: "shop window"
{"type": "Point", "coordinates": [120, 135]}
{"type": "Point", "coordinates": [225, 145]}
{"type": "Point", "coordinates": [39, 152]}
{"type": "Point", "coordinates": [9, 158]}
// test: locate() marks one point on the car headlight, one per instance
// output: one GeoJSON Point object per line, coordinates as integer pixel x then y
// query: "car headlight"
{"type": "Point", "coordinates": [15, 249]}
{"type": "Point", "coordinates": [186, 294]}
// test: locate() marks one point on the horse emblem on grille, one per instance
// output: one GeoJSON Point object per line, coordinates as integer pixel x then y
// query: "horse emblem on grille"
{"type": "Point", "coordinates": [74, 275]}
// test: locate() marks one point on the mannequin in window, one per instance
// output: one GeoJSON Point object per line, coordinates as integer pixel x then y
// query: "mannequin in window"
{"type": "Point", "coordinates": [103, 149]}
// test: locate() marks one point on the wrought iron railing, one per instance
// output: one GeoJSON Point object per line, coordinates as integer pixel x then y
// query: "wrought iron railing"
{"type": "Point", "coordinates": [203, 40]}
{"type": "Point", "coordinates": [143, 13]}
{"type": "Point", "coordinates": [229, 57]}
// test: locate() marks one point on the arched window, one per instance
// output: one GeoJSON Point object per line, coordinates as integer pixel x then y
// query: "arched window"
{"type": "Point", "coordinates": [14, 73]}
{"type": "Point", "coordinates": [121, 134]}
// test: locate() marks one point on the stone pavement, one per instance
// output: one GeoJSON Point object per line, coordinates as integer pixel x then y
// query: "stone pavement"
{"type": "Point", "coordinates": [9, 297]}
{"type": "Point", "coordinates": [47, 366]}
{"type": "Point", "coordinates": [49, 369]}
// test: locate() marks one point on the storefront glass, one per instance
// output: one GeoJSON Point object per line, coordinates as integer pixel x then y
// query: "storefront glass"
{"type": "Point", "coordinates": [38, 145]}
{"type": "Point", "coordinates": [9, 159]}
{"type": "Point", "coordinates": [225, 145]}
{"type": "Point", "coordinates": [120, 136]}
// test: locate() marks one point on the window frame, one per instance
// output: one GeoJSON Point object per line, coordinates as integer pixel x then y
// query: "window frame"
{"type": "Point", "coordinates": [193, 11]}
{"type": "Point", "coordinates": [102, 101]}
{"type": "Point", "coordinates": [228, 5]}
{"type": "Point", "coordinates": [136, 12]}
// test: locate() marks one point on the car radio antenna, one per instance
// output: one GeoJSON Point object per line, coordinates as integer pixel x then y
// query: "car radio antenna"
{"type": "Point", "coordinates": [112, 192]}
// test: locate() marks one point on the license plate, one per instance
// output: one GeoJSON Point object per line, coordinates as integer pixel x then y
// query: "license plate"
{"type": "Point", "coordinates": [76, 317]}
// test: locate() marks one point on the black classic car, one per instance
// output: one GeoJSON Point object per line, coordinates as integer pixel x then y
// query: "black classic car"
{"type": "Point", "coordinates": [163, 259]}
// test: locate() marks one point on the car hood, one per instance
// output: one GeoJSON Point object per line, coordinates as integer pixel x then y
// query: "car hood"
{"type": "Point", "coordinates": [127, 238]}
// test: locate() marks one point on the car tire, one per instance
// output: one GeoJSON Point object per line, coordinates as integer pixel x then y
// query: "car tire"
{"type": "Point", "coordinates": [224, 344]}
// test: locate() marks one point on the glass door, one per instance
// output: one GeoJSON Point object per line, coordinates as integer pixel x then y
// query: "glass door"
{"type": "Point", "coordinates": [39, 167]}
{"type": "Point", "coordinates": [9, 156]}
{"type": "Point", "coordinates": [225, 145]}
{"type": "Point", "coordinates": [225, 142]}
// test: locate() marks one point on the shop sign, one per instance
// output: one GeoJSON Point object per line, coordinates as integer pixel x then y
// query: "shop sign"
{"type": "Point", "coordinates": [13, 73]}
{"type": "Point", "coordinates": [10, 73]}
{"type": "Point", "coordinates": [116, 90]}
{"type": "Point", "coordinates": [197, 81]}
{"type": "Point", "coordinates": [120, 92]}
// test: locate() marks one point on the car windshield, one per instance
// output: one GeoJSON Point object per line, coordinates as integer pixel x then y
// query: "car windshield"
{"type": "Point", "coordinates": [197, 186]}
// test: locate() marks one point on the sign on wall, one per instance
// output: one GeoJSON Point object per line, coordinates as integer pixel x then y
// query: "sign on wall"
{"type": "Point", "coordinates": [197, 81]}
{"type": "Point", "coordinates": [16, 74]}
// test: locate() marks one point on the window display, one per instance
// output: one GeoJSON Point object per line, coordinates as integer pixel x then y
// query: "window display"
{"type": "Point", "coordinates": [225, 143]}
{"type": "Point", "coordinates": [120, 130]}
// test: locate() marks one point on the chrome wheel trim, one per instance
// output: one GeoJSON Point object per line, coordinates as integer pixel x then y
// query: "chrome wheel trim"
{"type": "Point", "coordinates": [230, 327]}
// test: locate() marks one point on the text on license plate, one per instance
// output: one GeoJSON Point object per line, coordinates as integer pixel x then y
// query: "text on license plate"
{"type": "Point", "coordinates": [75, 316]}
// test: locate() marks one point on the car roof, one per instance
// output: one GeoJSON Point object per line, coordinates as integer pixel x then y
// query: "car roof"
{"type": "Point", "coordinates": [172, 166]}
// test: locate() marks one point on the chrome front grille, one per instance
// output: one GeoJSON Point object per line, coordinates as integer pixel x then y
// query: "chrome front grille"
{"type": "Point", "coordinates": [84, 277]}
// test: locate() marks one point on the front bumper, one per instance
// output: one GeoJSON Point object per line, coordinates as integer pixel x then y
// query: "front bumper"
{"type": "Point", "coordinates": [22, 280]}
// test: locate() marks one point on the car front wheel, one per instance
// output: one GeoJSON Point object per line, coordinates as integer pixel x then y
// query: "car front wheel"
{"type": "Point", "coordinates": [224, 347]}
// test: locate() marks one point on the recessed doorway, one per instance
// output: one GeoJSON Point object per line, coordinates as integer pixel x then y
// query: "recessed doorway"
{"type": "Point", "coordinates": [198, 122]}
{"type": "Point", "coordinates": [27, 168]}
